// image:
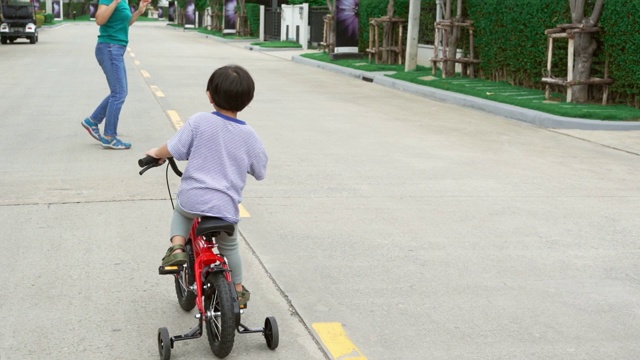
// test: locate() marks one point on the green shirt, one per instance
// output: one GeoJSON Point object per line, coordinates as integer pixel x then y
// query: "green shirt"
{"type": "Point", "coordinates": [116, 29]}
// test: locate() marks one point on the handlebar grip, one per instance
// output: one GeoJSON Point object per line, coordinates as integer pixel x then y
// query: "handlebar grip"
{"type": "Point", "coordinates": [147, 160]}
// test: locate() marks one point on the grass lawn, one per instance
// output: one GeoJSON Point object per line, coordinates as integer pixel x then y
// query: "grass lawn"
{"type": "Point", "coordinates": [501, 92]}
{"type": "Point", "coordinates": [278, 44]}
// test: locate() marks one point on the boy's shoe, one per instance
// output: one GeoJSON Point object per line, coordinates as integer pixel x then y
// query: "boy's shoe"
{"type": "Point", "coordinates": [243, 297]}
{"type": "Point", "coordinates": [115, 143]}
{"type": "Point", "coordinates": [92, 128]}
{"type": "Point", "coordinates": [171, 258]}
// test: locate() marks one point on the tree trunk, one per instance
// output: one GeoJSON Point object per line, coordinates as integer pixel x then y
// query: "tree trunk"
{"type": "Point", "coordinates": [454, 38]}
{"type": "Point", "coordinates": [216, 15]}
{"type": "Point", "coordinates": [585, 46]}
{"type": "Point", "coordinates": [242, 27]}
{"type": "Point", "coordinates": [388, 57]}
{"type": "Point", "coordinates": [331, 4]}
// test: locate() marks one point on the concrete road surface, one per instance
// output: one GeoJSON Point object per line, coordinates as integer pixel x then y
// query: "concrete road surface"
{"type": "Point", "coordinates": [390, 226]}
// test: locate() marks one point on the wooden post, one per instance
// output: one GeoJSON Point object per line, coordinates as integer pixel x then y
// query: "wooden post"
{"type": "Point", "coordinates": [471, 46]}
{"type": "Point", "coordinates": [547, 91]}
{"type": "Point", "coordinates": [377, 43]}
{"type": "Point", "coordinates": [570, 70]}
{"type": "Point", "coordinates": [370, 38]}
{"type": "Point", "coordinates": [436, 51]}
{"type": "Point", "coordinates": [399, 44]}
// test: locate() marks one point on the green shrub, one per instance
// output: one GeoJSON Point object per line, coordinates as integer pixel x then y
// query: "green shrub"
{"type": "Point", "coordinates": [48, 18]}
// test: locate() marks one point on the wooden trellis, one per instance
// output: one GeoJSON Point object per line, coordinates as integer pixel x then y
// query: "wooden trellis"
{"type": "Point", "coordinates": [396, 25]}
{"type": "Point", "coordinates": [327, 43]}
{"type": "Point", "coordinates": [444, 28]}
{"type": "Point", "coordinates": [568, 31]}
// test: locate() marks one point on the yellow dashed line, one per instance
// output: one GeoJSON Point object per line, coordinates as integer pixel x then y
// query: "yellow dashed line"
{"type": "Point", "coordinates": [175, 119]}
{"type": "Point", "coordinates": [145, 73]}
{"type": "Point", "coordinates": [335, 339]}
{"type": "Point", "coordinates": [243, 212]}
{"type": "Point", "coordinates": [156, 90]}
{"type": "Point", "coordinates": [132, 54]}
{"type": "Point", "coordinates": [137, 62]}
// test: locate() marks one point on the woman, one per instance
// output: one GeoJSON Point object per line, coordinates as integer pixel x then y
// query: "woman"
{"type": "Point", "coordinates": [114, 18]}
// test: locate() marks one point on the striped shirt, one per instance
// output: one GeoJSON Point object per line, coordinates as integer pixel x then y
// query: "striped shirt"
{"type": "Point", "coordinates": [221, 151]}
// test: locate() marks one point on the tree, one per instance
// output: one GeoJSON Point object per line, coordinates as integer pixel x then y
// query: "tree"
{"type": "Point", "coordinates": [584, 45]}
{"type": "Point", "coordinates": [328, 21]}
{"type": "Point", "coordinates": [216, 14]}
{"type": "Point", "coordinates": [387, 57]}
{"type": "Point", "coordinates": [454, 36]}
{"type": "Point", "coordinates": [242, 25]}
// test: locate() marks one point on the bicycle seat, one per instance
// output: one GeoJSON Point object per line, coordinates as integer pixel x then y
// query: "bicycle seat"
{"type": "Point", "coordinates": [214, 224]}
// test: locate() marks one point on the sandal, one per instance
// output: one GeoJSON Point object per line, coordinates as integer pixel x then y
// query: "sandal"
{"type": "Point", "coordinates": [243, 297]}
{"type": "Point", "coordinates": [171, 258]}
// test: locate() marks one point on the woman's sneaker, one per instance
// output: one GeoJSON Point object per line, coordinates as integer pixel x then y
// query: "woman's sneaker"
{"type": "Point", "coordinates": [115, 143]}
{"type": "Point", "coordinates": [92, 128]}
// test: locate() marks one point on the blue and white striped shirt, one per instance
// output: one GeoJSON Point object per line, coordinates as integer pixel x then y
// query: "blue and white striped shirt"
{"type": "Point", "coordinates": [221, 151]}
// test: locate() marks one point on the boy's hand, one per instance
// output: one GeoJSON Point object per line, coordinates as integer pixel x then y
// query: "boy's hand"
{"type": "Point", "coordinates": [155, 154]}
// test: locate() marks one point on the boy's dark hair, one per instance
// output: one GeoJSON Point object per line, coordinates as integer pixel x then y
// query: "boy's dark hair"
{"type": "Point", "coordinates": [231, 88]}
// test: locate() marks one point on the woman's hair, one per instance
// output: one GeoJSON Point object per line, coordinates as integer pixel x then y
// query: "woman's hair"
{"type": "Point", "coordinates": [231, 88]}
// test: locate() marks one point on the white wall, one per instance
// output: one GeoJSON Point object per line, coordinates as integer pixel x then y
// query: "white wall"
{"type": "Point", "coordinates": [295, 17]}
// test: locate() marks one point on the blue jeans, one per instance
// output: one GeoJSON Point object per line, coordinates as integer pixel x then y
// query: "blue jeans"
{"type": "Point", "coordinates": [111, 60]}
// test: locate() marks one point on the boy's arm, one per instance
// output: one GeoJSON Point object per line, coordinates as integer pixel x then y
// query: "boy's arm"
{"type": "Point", "coordinates": [161, 152]}
{"type": "Point", "coordinates": [258, 168]}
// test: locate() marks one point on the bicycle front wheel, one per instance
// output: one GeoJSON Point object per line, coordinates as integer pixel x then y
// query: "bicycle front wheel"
{"type": "Point", "coordinates": [220, 322]}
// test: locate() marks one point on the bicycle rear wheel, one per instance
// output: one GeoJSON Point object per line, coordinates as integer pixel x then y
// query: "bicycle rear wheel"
{"type": "Point", "coordinates": [184, 280]}
{"type": "Point", "coordinates": [220, 324]}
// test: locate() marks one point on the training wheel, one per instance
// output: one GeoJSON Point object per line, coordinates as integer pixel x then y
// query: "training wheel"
{"type": "Point", "coordinates": [270, 333]}
{"type": "Point", "coordinates": [164, 343]}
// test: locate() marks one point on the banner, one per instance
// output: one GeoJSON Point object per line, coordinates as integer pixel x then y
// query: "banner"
{"type": "Point", "coordinates": [36, 5]}
{"type": "Point", "coordinates": [190, 14]}
{"type": "Point", "coordinates": [160, 12]}
{"type": "Point", "coordinates": [93, 8]}
{"type": "Point", "coordinates": [347, 25]}
{"type": "Point", "coordinates": [57, 10]}
{"type": "Point", "coordinates": [172, 11]}
{"type": "Point", "coordinates": [230, 16]}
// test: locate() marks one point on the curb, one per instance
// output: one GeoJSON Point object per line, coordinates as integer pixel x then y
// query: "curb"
{"type": "Point", "coordinates": [533, 117]}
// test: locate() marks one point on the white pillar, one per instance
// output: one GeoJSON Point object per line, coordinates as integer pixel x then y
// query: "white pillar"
{"type": "Point", "coordinates": [411, 58]}
{"type": "Point", "coordinates": [262, 22]}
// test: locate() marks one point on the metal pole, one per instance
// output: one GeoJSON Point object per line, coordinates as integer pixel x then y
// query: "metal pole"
{"type": "Point", "coordinates": [411, 59]}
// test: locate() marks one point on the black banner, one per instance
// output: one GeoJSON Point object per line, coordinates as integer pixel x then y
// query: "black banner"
{"type": "Point", "coordinates": [347, 23]}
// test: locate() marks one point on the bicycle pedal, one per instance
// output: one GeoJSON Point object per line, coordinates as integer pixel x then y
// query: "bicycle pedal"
{"type": "Point", "coordinates": [169, 269]}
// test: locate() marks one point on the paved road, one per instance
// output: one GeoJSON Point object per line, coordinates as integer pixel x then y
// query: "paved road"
{"type": "Point", "coordinates": [425, 229]}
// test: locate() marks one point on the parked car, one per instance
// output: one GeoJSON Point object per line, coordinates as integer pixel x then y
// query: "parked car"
{"type": "Point", "coordinates": [18, 21]}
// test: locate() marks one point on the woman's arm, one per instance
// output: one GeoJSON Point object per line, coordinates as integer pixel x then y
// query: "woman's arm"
{"type": "Point", "coordinates": [104, 12]}
{"type": "Point", "coordinates": [140, 11]}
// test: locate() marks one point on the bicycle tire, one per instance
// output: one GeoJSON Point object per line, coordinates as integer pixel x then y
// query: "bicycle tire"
{"type": "Point", "coordinates": [221, 325]}
{"type": "Point", "coordinates": [184, 280]}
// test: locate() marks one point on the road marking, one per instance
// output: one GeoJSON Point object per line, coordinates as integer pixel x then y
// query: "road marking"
{"type": "Point", "coordinates": [243, 212]}
{"type": "Point", "coordinates": [156, 90]}
{"type": "Point", "coordinates": [145, 73]}
{"type": "Point", "coordinates": [175, 119]}
{"type": "Point", "coordinates": [335, 339]}
{"type": "Point", "coordinates": [132, 54]}
{"type": "Point", "coordinates": [137, 62]}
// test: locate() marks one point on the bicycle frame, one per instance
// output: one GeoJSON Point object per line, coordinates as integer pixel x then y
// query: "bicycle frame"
{"type": "Point", "coordinates": [205, 258]}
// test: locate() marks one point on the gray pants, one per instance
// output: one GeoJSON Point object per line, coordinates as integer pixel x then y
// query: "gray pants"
{"type": "Point", "coordinates": [227, 245]}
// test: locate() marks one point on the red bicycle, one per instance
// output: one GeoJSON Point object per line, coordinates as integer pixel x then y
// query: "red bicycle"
{"type": "Point", "coordinates": [205, 281]}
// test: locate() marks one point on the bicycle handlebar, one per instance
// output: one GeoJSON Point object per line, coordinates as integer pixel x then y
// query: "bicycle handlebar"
{"type": "Point", "coordinates": [149, 162]}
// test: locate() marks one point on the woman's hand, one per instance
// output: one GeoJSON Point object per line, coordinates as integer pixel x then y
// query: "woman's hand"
{"type": "Point", "coordinates": [143, 6]}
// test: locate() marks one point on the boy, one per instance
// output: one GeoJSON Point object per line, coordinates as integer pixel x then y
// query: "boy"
{"type": "Point", "coordinates": [221, 150]}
